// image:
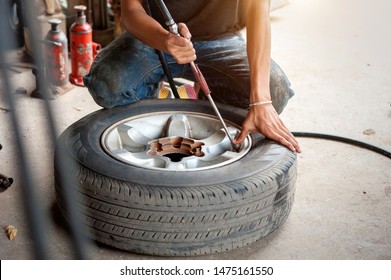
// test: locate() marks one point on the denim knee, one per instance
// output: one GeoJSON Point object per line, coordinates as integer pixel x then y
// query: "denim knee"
{"type": "Point", "coordinates": [280, 87]}
{"type": "Point", "coordinates": [107, 93]}
{"type": "Point", "coordinates": [124, 72]}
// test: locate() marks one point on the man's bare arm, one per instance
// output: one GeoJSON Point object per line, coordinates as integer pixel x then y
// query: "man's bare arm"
{"type": "Point", "coordinates": [263, 118]}
{"type": "Point", "coordinates": [137, 22]}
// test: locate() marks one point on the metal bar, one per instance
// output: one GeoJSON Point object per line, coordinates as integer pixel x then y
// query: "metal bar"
{"type": "Point", "coordinates": [33, 210]}
{"type": "Point", "coordinates": [79, 240]}
{"type": "Point", "coordinates": [37, 218]}
{"type": "Point", "coordinates": [205, 89]}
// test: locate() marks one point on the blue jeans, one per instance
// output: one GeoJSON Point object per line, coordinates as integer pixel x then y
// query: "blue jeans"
{"type": "Point", "coordinates": [127, 71]}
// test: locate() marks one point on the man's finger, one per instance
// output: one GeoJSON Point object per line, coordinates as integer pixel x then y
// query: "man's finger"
{"type": "Point", "coordinates": [243, 134]}
{"type": "Point", "coordinates": [184, 31]}
{"type": "Point", "coordinates": [185, 57]}
{"type": "Point", "coordinates": [179, 41]}
{"type": "Point", "coordinates": [283, 141]}
{"type": "Point", "coordinates": [291, 139]}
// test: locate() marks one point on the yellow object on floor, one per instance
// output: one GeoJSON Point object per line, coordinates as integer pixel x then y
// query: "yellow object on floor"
{"type": "Point", "coordinates": [164, 93]}
{"type": "Point", "coordinates": [185, 91]}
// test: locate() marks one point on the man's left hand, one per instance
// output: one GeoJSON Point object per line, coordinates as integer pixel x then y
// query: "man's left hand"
{"type": "Point", "coordinates": [265, 120]}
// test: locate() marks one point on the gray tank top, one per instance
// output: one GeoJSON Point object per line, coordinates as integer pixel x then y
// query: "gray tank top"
{"type": "Point", "coordinates": [206, 19]}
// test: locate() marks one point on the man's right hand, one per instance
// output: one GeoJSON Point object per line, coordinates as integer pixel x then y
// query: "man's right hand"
{"type": "Point", "coordinates": [180, 47]}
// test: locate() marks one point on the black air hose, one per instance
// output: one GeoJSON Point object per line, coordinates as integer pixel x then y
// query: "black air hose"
{"type": "Point", "coordinates": [344, 140]}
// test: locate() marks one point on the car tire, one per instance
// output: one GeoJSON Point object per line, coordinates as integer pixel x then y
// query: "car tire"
{"type": "Point", "coordinates": [159, 212]}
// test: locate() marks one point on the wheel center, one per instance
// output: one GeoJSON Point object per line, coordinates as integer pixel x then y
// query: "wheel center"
{"type": "Point", "coordinates": [175, 148]}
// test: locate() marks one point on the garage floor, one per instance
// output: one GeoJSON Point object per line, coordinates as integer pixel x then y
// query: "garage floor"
{"type": "Point", "coordinates": [336, 54]}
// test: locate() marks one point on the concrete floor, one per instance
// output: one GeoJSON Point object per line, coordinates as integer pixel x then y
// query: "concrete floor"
{"type": "Point", "coordinates": [336, 54]}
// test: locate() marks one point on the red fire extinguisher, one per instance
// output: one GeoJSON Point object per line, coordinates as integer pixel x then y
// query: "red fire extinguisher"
{"type": "Point", "coordinates": [83, 50]}
{"type": "Point", "coordinates": [56, 50]}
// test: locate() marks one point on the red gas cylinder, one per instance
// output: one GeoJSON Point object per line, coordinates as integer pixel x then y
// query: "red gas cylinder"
{"type": "Point", "coordinates": [56, 51]}
{"type": "Point", "coordinates": [83, 50]}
